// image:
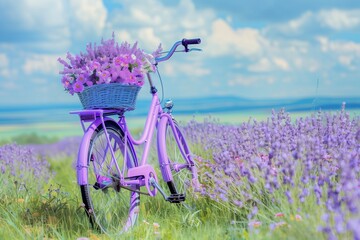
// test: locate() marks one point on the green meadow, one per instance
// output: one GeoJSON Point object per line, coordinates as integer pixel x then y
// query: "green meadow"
{"type": "Point", "coordinates": [55, 210]}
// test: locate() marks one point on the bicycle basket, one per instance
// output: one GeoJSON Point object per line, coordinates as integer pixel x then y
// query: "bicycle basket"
{"type": "Point", "coordinates": [112, 95]}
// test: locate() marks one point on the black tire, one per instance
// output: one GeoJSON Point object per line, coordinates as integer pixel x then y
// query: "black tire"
{"type": "Point", "coordinates": [110, 208]}
{"type": "Point", "coordinates": [182, 179]}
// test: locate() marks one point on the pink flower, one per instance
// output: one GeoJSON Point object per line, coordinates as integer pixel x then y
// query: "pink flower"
{"type": "Point", "coordinates": [273, 171]}
{"type": "Point", "coordinates": [78, 87]}
{"type": "Point", "coordinates": [124, 75]}
{"type": "Point", "coordinates": [132, 79]}
{"type": "Point", "coordinates": [114, 73]}
{"type": "Point", "coordinates": [279, 214]}
{"type": "Point", "coordinates": [238, 161]}
{"type": "Point", "coordinates": [108, 62]}
{"type": "Point", "coordinates": [298, 218]}
{"type": "Point", "coordinates": [156, 225]}
{"type": "Point", "coordinates": [255, 224]}
{"type": "Point", "coordinates": [280, 224]}
{"type": "Point", "coordinates": [122, 60]}
{"type": "Point", "coordinates": [105, 76]}
{"type": "Point", "coordinates": [65, 81]}
{"type": "Point", "coordinates": [264, 157]}
{"type": "Point", "coordinates": [94, 65]}
{"type": "Point", "coordinates": [81, 78]}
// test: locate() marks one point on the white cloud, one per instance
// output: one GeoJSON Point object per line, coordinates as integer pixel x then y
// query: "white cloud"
{"type": "Point", "coordinates": [7, 69]}
{"type": "Point", "coordinates": [311, 22]}
{"type": "Point", "coordinates": [344, 52]}
{"type": "Point", "coordinates": [148, 35]}
{"type": "Point", "coordinates": [192, 69]}
{"type": "Point", "coordinates": [4, 64]}
{"type": "Point", "coordinates": [224, 40]}
{"type": "Point", "coordinates": [340, 19]}
{"type": "Point", "coordinates": [339, 46]}
{"type": "Point", "coordinates": [263, 65]}
{"type": "Point", "coordinates": [41, 15]}
{"type": "Point", "coordinates": [4, 61]}
{"type": "Point", "coordinates": [239, 56]}
{"type": "Point", "coordinates": [51, 25]}
{"type": "Point", "coordinates": [307, 63]}
{"type": "Point", "coordinates": [295, 25]}
{"type": "Point", "coordinates": [267, 65]}
{"type": "Point", "coordinates": [165, 24]}
{"type": "Point", "coordinates": [40, 63]}
{"type": "Point", "coordinates": [247, 80]}
{"type": "Point", "coordinates": [31, 21]}
{"type": "Point", "coordinates": [89, 17]}
{"type": "Point", "coordinates": [281, 63]}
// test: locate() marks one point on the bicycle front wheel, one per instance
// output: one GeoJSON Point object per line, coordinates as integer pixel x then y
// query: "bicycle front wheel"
{"type": "Point", "coordinates": [108, 206]}
{"type": "Point", "coordinates": [179, 159]}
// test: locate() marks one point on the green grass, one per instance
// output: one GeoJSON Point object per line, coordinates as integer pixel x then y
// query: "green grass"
{"type": "Point", "coordinates": [55, 212]}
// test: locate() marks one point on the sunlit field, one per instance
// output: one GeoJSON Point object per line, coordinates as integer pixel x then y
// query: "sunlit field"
{"type": "Point", "coordinates": [264, 175]}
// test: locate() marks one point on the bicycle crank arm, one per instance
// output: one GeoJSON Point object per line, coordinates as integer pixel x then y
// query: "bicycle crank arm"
{"type": "Point", "coordinates": [173, 198]}
{"type": "Point", "coordinates": [157, 186]}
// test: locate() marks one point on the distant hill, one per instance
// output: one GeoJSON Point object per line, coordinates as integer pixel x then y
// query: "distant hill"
{"type": "Point", "coordinates": [234, 104]}
{"type": "Point", "coordinates": [218, 104]}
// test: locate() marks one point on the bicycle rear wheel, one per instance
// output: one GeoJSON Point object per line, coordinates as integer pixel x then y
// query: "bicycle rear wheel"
{"type": "Point", "coordinates": [108, 206]}
{"type": "Point", "coordinates": [179, 158]}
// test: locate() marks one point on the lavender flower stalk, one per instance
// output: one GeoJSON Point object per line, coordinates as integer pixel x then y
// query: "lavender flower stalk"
{"type": "Point", "coordinates": [316, 157]}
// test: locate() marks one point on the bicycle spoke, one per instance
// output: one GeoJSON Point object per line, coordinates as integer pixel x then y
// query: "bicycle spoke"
{"type": "Point", "coordinates": [109, 206]}
{"type": "Point", "coordinates": [179, 165]}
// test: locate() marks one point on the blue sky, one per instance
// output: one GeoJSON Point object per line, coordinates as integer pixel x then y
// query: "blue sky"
{"type": "Point", "coordinates": [251, 49]}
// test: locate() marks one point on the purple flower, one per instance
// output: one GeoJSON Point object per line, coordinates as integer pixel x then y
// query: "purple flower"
{"type": "Point", "coordinates": [122, 61]}
{"type": "Point", "coordinates": [94, 65]}
{"type": "Point", "coordinates": [107, 62]}
{"type": "Point", "coordinates": [24, 165]}
{"type": "Point", "coordinates": [316, 157]}
{"type": "Point", "coordinates": [353, 224]}
{"type": "Point", "coordinates": [78, 87]}
{"type": "Point", "coordinates": [105, 76]}
{"type": "Point", "coordinates": [81, 78]}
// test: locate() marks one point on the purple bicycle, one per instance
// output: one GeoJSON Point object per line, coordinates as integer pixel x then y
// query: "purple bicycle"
{"type": "Point", "coordinates": [109, 171]}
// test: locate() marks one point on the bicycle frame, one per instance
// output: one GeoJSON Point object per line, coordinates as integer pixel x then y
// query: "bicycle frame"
{"type": "Point", "coordinates": [109, 172]}
{"type": "Point", "coordinates": [156, 118]}
{"type": "Point", "coordinates": [141, 174]}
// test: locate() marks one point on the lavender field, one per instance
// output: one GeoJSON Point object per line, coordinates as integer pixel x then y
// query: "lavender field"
{"type": "Point", "coordinates": [277, 178]}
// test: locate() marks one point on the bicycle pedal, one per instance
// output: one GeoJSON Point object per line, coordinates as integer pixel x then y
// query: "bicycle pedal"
{"type": "Point", "coordinates": [102, 182]}
{"type": "Point", "coordinates": [176, 198]}
{"type": "Point", "coordinates": [101, 186]}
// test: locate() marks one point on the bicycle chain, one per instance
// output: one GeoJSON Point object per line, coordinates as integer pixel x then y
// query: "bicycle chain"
{"type": "Point", "coordinates": [134, 190]}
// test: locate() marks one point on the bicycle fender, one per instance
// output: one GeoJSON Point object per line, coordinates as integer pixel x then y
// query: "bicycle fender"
{"type": "Point", "coordinates": [82, 160]}
{"type": "Point", "coordinates": [161, 147]}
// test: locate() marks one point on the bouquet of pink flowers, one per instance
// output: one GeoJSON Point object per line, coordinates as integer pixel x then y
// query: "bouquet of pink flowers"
{"type": "Point", "coordinates": [107, 63]}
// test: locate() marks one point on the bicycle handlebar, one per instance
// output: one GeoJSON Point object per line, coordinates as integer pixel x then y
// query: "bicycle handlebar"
{"type": "Point", "coordinates": [185, 42]}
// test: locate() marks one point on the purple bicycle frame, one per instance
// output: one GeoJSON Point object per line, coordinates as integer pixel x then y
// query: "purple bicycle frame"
{"type": "Point", "coordinates": [156, 118]}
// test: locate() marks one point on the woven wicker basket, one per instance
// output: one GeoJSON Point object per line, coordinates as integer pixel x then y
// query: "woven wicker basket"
{"type": "Point", "coordinates": [112, 95]}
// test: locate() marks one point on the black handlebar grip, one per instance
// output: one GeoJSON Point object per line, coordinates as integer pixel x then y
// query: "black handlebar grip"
{"type": "Point", "coordinates": [191, 41]}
